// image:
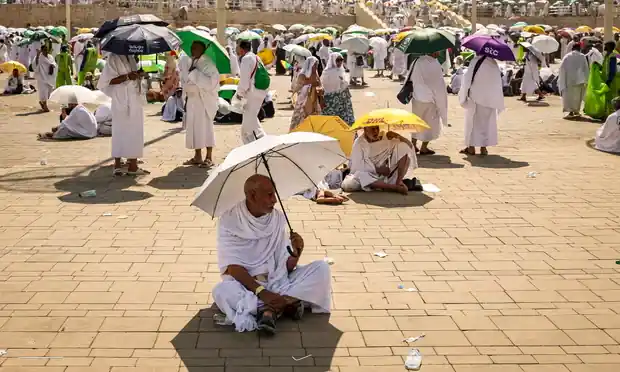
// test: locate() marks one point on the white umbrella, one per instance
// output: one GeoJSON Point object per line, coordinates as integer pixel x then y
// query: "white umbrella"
{"type": "Point", "coordinates": [283, 158]}
{"type": "Point", "coordinates": [297, 50]}
{"type": "Point", "coordinates": [546, 44]}
{"type": "Point", "coordinates": [278, 27]}
{"type": "Point", "coordinates": [355, 43]}
{"type": "Point", "coordinates": [74, 94]}
{"type": "Point", "coordinates": [376, 42]}
{"type": "Point", "coordinates": [296, 27]}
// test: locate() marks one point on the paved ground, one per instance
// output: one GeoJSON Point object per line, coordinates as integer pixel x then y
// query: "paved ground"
{"type": "Point", "coordinates": [514, 274]}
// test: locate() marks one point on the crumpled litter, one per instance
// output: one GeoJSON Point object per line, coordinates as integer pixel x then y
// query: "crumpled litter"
{"type": "Point", "coordinates": [302, 358]}
{"type": "Point", "coordinates": [107, 214]}
{"type": "Point", "coordinates": [329, 260]}
{"type": "Point", "coordinates": [369, 94]}
{"type": "Point", "coordinates": [3, 352]}
{"type": "Point", "coordinates": [43, 162]}
{"type": "Point", "coordinates": [532, 174]}
{"type": "Point", "coordinates": [429, 187]}
{"type": "Point", "coordinates": [380, 254]}
{"type": "Point", "coordinates": [414, 339]}
{"type": "Point", "coordinates": [122, 217]}
{"type": "Point", "coordinates": [414, 360]}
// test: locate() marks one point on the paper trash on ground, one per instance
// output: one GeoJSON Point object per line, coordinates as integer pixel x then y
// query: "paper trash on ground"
{"type": "Point", "coordinates": [302, 358]}
{"type": "Point", "coordinates": [414, 360]}
{"type": "Point", "coordinates": [414, 339]}
{"type": "Point", "coordinates": [380, 254]}
{"type": "Point", "coordinates": [429, 187]}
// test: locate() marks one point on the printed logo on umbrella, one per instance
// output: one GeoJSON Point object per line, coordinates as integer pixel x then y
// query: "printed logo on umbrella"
{"type": "Point", "coordinates": [490, 51]}
{"type": "Point", "coordinates": [136, 49]}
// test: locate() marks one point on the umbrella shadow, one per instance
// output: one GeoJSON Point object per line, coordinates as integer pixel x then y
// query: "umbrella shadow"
{"type": "Point", "coordinates": [201, 344]}
{"type": "Point", "coordinates": [437, 162]}
{"type": "Point", "coordinates": [390, 199]}
{"type": "Point", "coordinates": [181, 177]}
{"type": "Point", "coordinates": [38, 112]}
{"type": "Point", "coordinates": [109, 190]}
{"type": "Point", "coordinates": [494, 161]}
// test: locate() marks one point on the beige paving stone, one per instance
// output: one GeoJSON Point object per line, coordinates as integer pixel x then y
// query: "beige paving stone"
{"type": "Point", "coordinates": [571, 321]}
{"type": "Point", "coordinates": [487, 338]}
{"type": "Point", "coordinates": [539, 338]}
{"type": "Point", "coordinates": [522, 322]}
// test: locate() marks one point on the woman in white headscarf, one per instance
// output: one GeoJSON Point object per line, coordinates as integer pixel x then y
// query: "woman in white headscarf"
{"type": "Point", "coordinates": [336, 90]}
{"type": "Point", "coordinates": [309, 92]}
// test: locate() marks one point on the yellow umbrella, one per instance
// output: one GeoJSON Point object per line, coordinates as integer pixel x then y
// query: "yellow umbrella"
{"type": "Point", "coordinates": [331, 126]}
{"type": "Point", "coordinates": [266, 56]}
{"type": "Point", "coordinates": [320, 37]}
{"type": "Point", "coordinates": [394, 119]}
{"type": "Point", "coordinates": [229, 81]}
{"type": "Point", "coordinates": [601, 30]}
{"type": "Point", "coordinates": [534, 29]}
{"type": "Point", "coordinates": [583, 29]}
{"type": "Point", "coordinates": [83, 31]}
{"type": "Point", "coordinates": [12, 65]}
{"type": "Point", "coordinates": [401, 36]}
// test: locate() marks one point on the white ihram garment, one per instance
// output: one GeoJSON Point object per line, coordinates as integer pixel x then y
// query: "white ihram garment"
{"type": "Point", "coordinates": [482, 101]}
{"type": "Point", "coordinates": [399, 62]}
{"type": "Point", "coordinates": [572, 80]}
{"type": "Point", "coordinates": [355, 71]}
{"type": "Point", "coordinates": [250, 125]}
{"type": "Point", "coordinates": [259, 245]}
{"type": "Point", "coordinates": [127, 111]}
{"type": "Point", "coordinates": [4, 53]}
{"type": "Point", "coordinates": [380, 53]}
{"type": "Point", "coordinates": [608, 135]}
{"type": "Point", "coordinates": [367, 156]}
{"type": "Point", "coordinates": [201, 87]}
{"type": "Point", "coordinates": [45, 81]}
{"type": "Point", "coordinates": [430, 97]}
{"type": "Point", "coordinates": [80, 123]}
{"type": "Point", "coordinates": [531, 75]}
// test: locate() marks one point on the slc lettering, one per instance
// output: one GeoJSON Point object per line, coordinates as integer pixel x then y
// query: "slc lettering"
{"type": "Point", "coordinates": [491, 51]}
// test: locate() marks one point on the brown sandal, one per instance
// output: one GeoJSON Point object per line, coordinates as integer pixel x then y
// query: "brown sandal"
{"type": "Point", "coordinates": [467, 152]}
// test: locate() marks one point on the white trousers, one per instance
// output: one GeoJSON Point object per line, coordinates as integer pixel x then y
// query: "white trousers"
{"type": "Point", "coordinates": [251, 129]}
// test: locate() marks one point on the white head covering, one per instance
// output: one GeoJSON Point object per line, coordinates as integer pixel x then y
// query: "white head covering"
{"type": "Point", "coordinates": [331, 62]}
{"type": "Point", "coordinates": [307, 69]}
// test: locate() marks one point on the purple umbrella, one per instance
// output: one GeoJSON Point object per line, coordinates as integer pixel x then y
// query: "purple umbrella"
{"type": "Point", "coordinates": [487, 46]}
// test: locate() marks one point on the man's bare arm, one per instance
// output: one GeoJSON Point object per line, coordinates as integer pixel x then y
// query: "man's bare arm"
{"type": "Point", "coordinates": [291, 263]}
{"type": "Point", "coordinates": [242, 276]}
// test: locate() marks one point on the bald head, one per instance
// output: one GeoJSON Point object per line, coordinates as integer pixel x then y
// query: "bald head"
{"type": "Point", "coordinates": [260, 196]}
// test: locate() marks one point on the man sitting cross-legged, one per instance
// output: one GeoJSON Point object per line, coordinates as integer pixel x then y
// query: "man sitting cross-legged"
{"type": "Point", "coordinates": [261, 281]}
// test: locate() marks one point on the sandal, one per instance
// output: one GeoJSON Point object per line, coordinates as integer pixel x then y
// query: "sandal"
{"type": "Point", "coordinates": [193, 161]}
{"type": "Point", "coordinates": [467, 152]}
{"type": "Point", "coordinates": [484, 152]}
{"type": "Point", "coordinates": [117, 172]}
{"type": "Point", "coordinates": [266, 324]}
{"type": "Point", "coordinates": [208, 163]}
{"type": "Point", "coordinates": [138, 172]}
{"type": "Point", "coordinates": [427, 152]}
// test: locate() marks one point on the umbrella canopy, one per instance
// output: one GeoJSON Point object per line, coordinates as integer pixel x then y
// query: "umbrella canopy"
{"type": "Point", "coordinates": [138, 39]}
{"type": "Point", "coordinates": [59, 31]}
{"type": "Point", "coordinates": [297, 50]}
{"type": "Point", "coordinates": [329, 30]}
{"type": "Point", "coordinates": [9, 66]}
{"type": "Point", "coordinates": [278, 27]}
{"type": "Point", "coordinates": [377, 42]}
{"type": "Point", "coordinates": [426, 41]}
{"type": "Point", "coordinates": [331, 126]}
{"type": "Point", "coordinates": [393, 119]}
{"type": "Point", "coordinates": [489, 46]}
{"type": "Point", "coordinates": [283, 158]}
{"type": "Point", "coordinates": [296, 27]}
{"type": "Point", "coordinates": [216, 53]}
{"type": "Point", "coordinates": [108, 26]}
{"type": "Point", "coordinates": [355, 29]}
{"type": "Point", "coordinates": [534, 29]}
{"type": "Point", "coordinates": [546, 44]}
{"type": "Point", "coordinates": [401, 36]}
{"type": "Point", "coordinates": [248, 35]}
{"type": "Point", "coordinates": [566, 32]}
{"type": "Point", "coordinates": [74, 94]}
{"type": "Point", "coordinates": [583, 29]}
{"type": "Point", "coordinates": [227, 91]}
{"type": "Point", "coordinates": [355, 43]}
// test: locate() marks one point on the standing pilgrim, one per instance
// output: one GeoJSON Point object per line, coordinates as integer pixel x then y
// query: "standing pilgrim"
{"type": "Point", "coordinates": [200, 80]}
{"type": "Point", "coordinates": [572, 81]}
{"type": "Point", "coordinates": [379, 54]}
{"type": "Point", "coordinates": [531, 77]}
{"type": "Point", "coordinates": [120, 80]}
{"type": "Point", "coordinates": [482, 99]}
{"type": "Point", "coordinates": [253, 84]}
{"type": "Point", "coordinates": [355, 63]}
{"type": "Point", "coordinates": [44, 68]}
{"type": "Point", "coordinates": [399, 63]}
{"type": "Point", "coordinates": [429, 101]}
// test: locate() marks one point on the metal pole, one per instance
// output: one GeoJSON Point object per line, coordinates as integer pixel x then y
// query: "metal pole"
{"type": "Point", "coordinates": [221, 21]}
{"type": "Point", "coordinates": [609, 20]}
{"type": "Point", "coordinates": [474, 16]}
{"type": "Point", "coordinates": [68, 18]}
{"type": "Point", "coordinates": [160, 9]}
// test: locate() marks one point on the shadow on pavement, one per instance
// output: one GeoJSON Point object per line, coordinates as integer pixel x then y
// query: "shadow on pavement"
{"type": "Point", "coordinates": [437, 162]}
{"type": "Point", "coordinates": [590, 144]}
{"type": "Point", "coordinates": [390, 199]}
{"type": "Point", "coordinates": [181, 177]}
{"type": "Point", "coordinates": [202, 344]}
{"type": "Point", "coordinates": [494, 161]}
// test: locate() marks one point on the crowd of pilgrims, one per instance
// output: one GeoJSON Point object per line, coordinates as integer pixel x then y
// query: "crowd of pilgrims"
{"type": "Point", "coordinates": [320, 85]}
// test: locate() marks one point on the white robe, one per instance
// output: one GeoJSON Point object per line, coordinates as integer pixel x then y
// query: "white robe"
{"type": "Point", "coordinates": [201, 87]}
{"type": "Point", "coordinates": [127, 111]}
{"type": "Point", "coordinates": [572, 79]}
{"type": "Point", "coordinates": [173, 104]}
{"type": "Point", "coordinates": [259, 245]}
{"type": "Point", "coordinates": [531, 75]}
{"type": "Point", "coordinates": [4, 52]}
{"type": "Point", "coordinates": [80, 123]}
{"type": "Point", "coordinates": [250, 126]}
{"type": "Point", "coordinates": [324, 55]}
{"type": "Point", "coordinates": [399, 62]}
{"type": "Point", "coordinates": [23, 56]}
{"type": "Point", "coordinates": [594, 56]}
{"type": "Point", "coordinates": [430, 97]}
{"type": "Point", "coordinates": [367, 156]}
{"type": "Point", "coordinates": [78, 56]}
{"type": "Point", "coordinates": [380, 53]}
{"type": "Point", "coordinates": [608, 135]}
{"type": "Point", "coordinates": [355, 71]}
{"type": "Point", "coordinates": [457, 80]}
{"type": "Point", "coordinates": [45, 81]}
{"type": "Point", "coordinates": [482, 101]}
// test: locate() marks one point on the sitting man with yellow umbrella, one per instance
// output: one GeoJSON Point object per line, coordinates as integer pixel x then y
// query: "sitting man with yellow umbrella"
{"type": "Point", "coordinates": [380, 160]}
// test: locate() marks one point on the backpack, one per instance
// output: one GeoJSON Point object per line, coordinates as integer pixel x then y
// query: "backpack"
{"type": "Point", "coordinates": [261, 76]}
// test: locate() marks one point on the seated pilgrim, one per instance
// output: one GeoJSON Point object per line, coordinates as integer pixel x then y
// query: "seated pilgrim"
{"type": "Point", "coordinates": [381, 161]}
{"type": "Point", "coordinates": [261, 280]}
{"type": "Point", "coordinates": [76, 122]}
{"type": "Point", "coordinates": [608, 135]}
{"type": "Point", "coordinates": [103, 115]}
{"type": "Point", "coordinates": [173, 111]}
{"type": "Point", "coordinates": [15, 84]}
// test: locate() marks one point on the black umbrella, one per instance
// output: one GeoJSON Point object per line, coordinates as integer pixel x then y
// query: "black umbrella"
{"type": "Point", "coordinates": [140, 39]}
{"type": "Point", "coordinates": [129, 20]}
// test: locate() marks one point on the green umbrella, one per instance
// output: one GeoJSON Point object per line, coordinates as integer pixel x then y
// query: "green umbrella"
{"type": "Point", "coordinates": [152, 66]}
{"type": "Point", "coordinates": [227, 91]}
{"type": "Point", "coordinates": [248, 35]}
{"type": "Point", "coordinates": [59, 31]}
{"type": "Point", "coordinates": [214, 50]}
{"type": "Point", "coordinates": [426, 41]}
